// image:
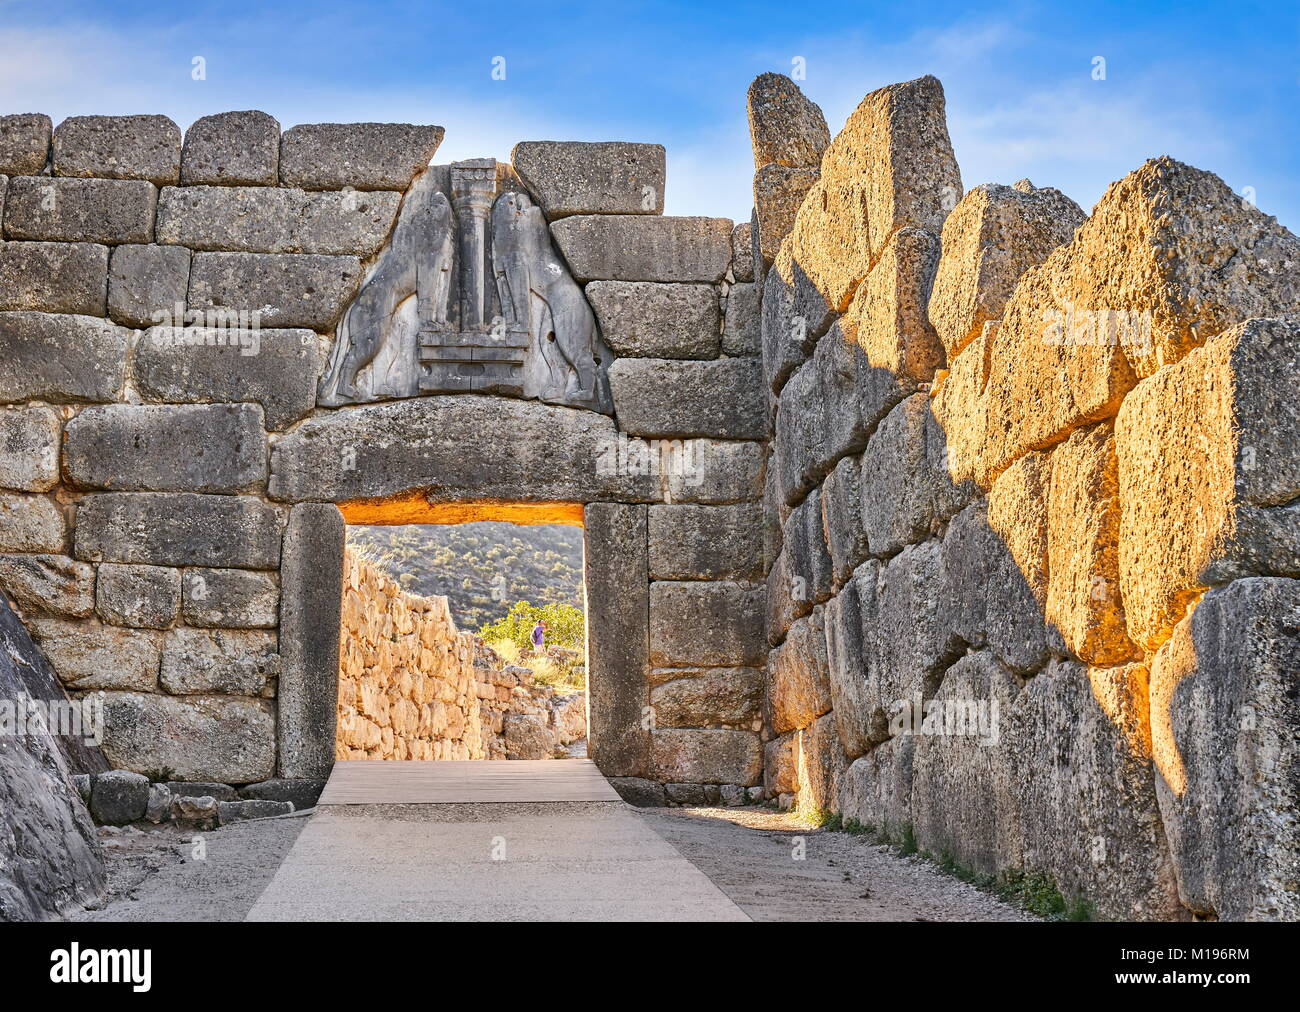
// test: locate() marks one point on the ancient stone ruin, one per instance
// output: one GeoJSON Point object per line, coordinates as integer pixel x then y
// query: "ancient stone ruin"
{"type": "Point", "coordinates": [964, 515]}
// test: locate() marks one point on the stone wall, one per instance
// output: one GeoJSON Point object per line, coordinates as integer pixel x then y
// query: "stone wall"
{"type": "Point", "coordinates": [411, 686]}
{"type": "Point", "coordinates": [1031, 515]}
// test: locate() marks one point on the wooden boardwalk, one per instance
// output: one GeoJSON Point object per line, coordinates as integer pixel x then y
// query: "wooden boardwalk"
{"type": "Point", "coordinates": [446, 782]}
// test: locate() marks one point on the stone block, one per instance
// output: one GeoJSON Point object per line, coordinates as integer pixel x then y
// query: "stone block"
{"type": "Point", "coordinates": [29, 448]}
{"type": "Point", "coordinates": [363, 156]}
{"type": "Point", "coordinates": [54, 277]}
{"type": "Point", "coordinates": [159, 808]}
{"type": "Point", "coordinates": [200, 809]}
{"type": "Point", "coordinates": [230, 598]}
{"type": "Point", "coordinates": [204, 789]}
{"type": "Point", "coordinates": [183, 529]}
{"type": "Point", "coordinates": [243, 811]}
{"type": "Point", "coordinates": [705, 624]}
{"type": "Point", "coordinates": [798, 677]}
{"type": "Point", "coordinates": [805, 547]}
{"type": "Point", "coordinates": [780, 775]}
{"type": "Point", "coordinates": [629, 247]}
{"type": "Point", "coordinates": [686, 795]}
{"type": "Point", "coordinates": [861, 721]}
{"type": "Point", "coordinates": [119, 797]}
{"type": "Point", "coordinates": [118, 147]}
{"type": "Point", "coordinates": [31, 523]}
{"type": "Point", "coordinates": [819, 764]}
{"type": "Point", "coordinates": [708, 697]}
{"type": "Point", "coordinates": [640, 792]}
{"type": "Point", "coordinates": [689, 542]}
{"type": "Point", "coordinates": [87, 656]}
{"type": "Point", "coordinates": [779, 192]}
{"type": "Point", "coordinates": [237, 662]}
{"type": "Point", "coordinates": [24, 143]}
{"type": "Point", "coordinates": [646, 319]}
{"type": "Point", "coordinates": [167, 448]}
{"type": "Point", "coordinates": [714, 756]}
{"type": "Point", "coordinates": [277, 369]}
{"type": "Point", "coordinates": [48, 584]}
{"type": "Point", "coordinates": [232, 149]}
{"type": "Point", "coordinates": [302, 794]}
{"type": "Point", "coordinates": [788, 596]}
{"type": "Point", "coordinates": [843, 519]}
{"type": "Point", "coordinates": [1017, 513]}
{"type": "Point", "coordinates": [876, 789]}
{"type": "Point", "coordinates": [668, 398]}
{"type": "Point", "coordinates": [526, 736]}
{"type": "Point", "coordinates": [607, 177]}
{"type": "Point", "coordinates": [742, 252]}
{"type": "Point", "coordinates": [785, 127]}
{"type": "Point", "coordinates": [144, 597]}
{"type": "Point", "coordinates": [108, 211]}
{"type": "Point", "coordinates": [742, 326]}
{"type": "Point", "coordinates": [284, 289]}
{"type": "Point", "coordinates": [794, 316]}
{"type": "Point", "coordinates": [962, 407]}
{"type": "Point", "coordinates": [147, 284]}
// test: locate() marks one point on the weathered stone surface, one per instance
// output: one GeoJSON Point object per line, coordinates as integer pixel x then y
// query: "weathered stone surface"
{"type": "Point", "coordinates": [689, 542]}
{"type": "Point", "coordinates": [526, 736]}
{"type": "Point", "coordinates": [54, 277]}
{"type": "Point", "coordinates": [805, 545]}
{"type": "Point", "coordinates": [715, 756]}
{"type": "Point", "coordinates": [799, 688]}
{"type": "Point", "coordinates": [311, 581]}
{"type": "Point", "coordinates": [144, 597]}
{"type": "Point", "coordinates": [742, 252]}
{"type": "Point", "coordinates": [1223, 718]}
{"type": "Point", "coordinates": [842, 519]}
{"type": "Point", "coordinates": [118, 147]}
{"type": "Point", "coordinates": [31, 523]}
{"type": "Point", "coordinates": [230, 598]}
{"type": "Point", "coordinates": [1017, 513]}
{"type": "Point", "coordinates": [167, 448]}
{"type": "Point", "coordinates": [468, 446]}
{"type": "Point", "coordinates": [118, 797]}
{"type": "Point", "coordinates": [277, 369]}
{"type": "Point", "coordinates": [204, 789]}
{"type": "Point", "coordinates": [1188, 491]}
{"type": "Point", "coordinates": [256, 219]}
{"type": "Point", "coordinates": [106, 211]}
{"type": "Point", "coordinates": [232, 149]}
{"type": "Point", "coordinates": [794, 317]}
{"type": "Point", "coordinates": [785, 126]}
{"type": "Point", "coordinates": [876, 790]}
{"type": "Point", "coordinates": [88, 656]}
{"type": "Point", "coordinates": [788, 596]}
{"type": "Point", "coordinates": [687, 795]}
{"type": "Point", "coordinates": [607, 177]}
{"type": "Point", "coordinates": [29, 447]}
{"type": "Point", "coordinates": [640, 792]}
{"type": "Point", "coordinates": [182, 529]}
{"type": "Point", "coordinates": [284, 289]}
{"type": "Point", "coordinates": [705, 624]}
{"type": "Point", "coordinates": [991, 238]}
{"type": "Point", "coordinates": [363, 156]}
{"type": "Point", "coordinates": [906, 489]}
{"type": "Point", "coordinates": [742, 327]}
{"type": "Point", "coordinates": [52, 584]}
{"type": "Point", "coordinates": [217, 738]}
{"type": "Point", "coordinates": [302, 794]}
{"type": "Point", "coordinates": [779, 192]}
{"type": "Point", "coordinates": [24, 143]}
{"type": "Point", "coordinates": [961, 405]}
{"type": "Point", "coordinates": [860, 720]}
{"type": "Point", "coordinates": [708, 697]}
{"type": "Point", "coordinates": [237, 662]}
{"type": "Point", "coordinates": [819, 764]}
{"type": "Point", "coordinates": [629, 247]}
{"type": "Point", "coordinates": [667, 398]}
{"type": "Point", "coordinates": [199, 808]}
{"type": "Point", "coordinates": [158, 808]}
{"type": "Point", "coordinates": [242, 811]}
{"type": "Point", "coordinates": [147, 283]}
{"type": "Point", "coordinates": [1084, 595]}
{"type": "Point", "coordinates": [646, 319]}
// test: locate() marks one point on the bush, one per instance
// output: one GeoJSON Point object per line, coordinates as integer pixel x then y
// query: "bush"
{"type": "Point", "coordinates": [565, 626]}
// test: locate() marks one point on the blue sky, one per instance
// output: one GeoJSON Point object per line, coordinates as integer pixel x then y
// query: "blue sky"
{"type": "Point", "coordinates": [1213, 84]}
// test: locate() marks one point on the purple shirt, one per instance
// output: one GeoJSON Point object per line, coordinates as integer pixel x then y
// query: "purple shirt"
{"type": "Point", "coordinates": [539, 636]}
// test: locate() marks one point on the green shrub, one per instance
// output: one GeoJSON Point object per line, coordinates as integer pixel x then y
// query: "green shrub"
{"type": "Point", "coordinates": [565, 626]}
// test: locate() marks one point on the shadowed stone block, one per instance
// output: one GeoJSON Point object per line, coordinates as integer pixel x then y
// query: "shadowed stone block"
{"type": "Point", "coordinates": [842, 519]}
{"type": "Point", "coordinates": [799, 688]}
{"type": "Point", "coordinates": [705, 624]}
{"type": "Point", "coordinates": [118, 147]}
{"type": "Point", "coordinates": [49, 584]}
{"type": "Point", "coordinates": [106, 211]}
{"type": "Point", "coordinates": [606, 177]}
{"type": "Point", "coordinates": [302, 794]}
{"type": "Point", "coordinates": [146, 283]}
{"type": "Point", "coordinates": [646, 319]}
{"type": "Point", "coordinates": [876, 789]}
{"type": "Point", "coordinates": [311, 594]}
{"type": "Point", "coordinates": [31, 523]}
{"type": "Point", "coordinates": [88, 656]}
{"type": "Point", "coordinates": [29, 448]}
{"type": "Point", "coordinates": [285, 289]}
{"type": "Point", "coordinates": [779, 192]}
{"type": "Point", "coordinates": [54, 277]}
{"type": "Point", "coordinates": [237, 662]}
{"type": "Point", "coordinates": [24, 143]}
{"type": "Point", "coordinates": [689, 542]}
{"type": "Point", "coordinates": [742, 251]}
{"type": "Point", "coordinates": [668, 398]}
{"type": "Point", "coordinates": [862, 724]}
{"type": "Point", "coordinates": [708, 697]}
{"type": "Point", "coordinates": [118, 797]}
{"type": "Point", "coordinates": [235, 598]}
{"type": "Point", "coordinates": [718, 756]}
{"type": "Point", "coordinates": [363, 156]}
{"type": "Point", "coordinates": [139, 596]}
{"type": "Point", "coordinates": [741, 332]}
{"type": "Point", "coordinates": [232, 149]}
{"type": "Point", "coordinates": [616, 586]}
{"type": "Point", "coordinates": [626, 247]}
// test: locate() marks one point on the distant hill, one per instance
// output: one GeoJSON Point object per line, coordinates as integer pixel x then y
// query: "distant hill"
{"type": "Point", "coordinates": [483, 568]}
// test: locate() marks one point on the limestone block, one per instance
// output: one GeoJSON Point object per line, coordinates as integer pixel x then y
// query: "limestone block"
{"type": "Point", "coordinates": [1084, 594]}
{"type": "Point", "coordinates": [29, 448]}
{"type": "Point", "coordinates": [48, 583]}
{"type": "Point", "coordinates": [640, 792]}
{"type": "Point", "coordinates": [799, 687]}
{"type": "Point", "coordinates": [232, 149]}
{"type": "Point", "coordinates": [105, 211]}
{"type": "Point", "coordinates": [237, 662]}
{"type": "Point", "coordinates": [690, 542]}
{"type": "Point", "coordinates": [118, 797]}
{"type": "Point", "coordinates": [708, 697]}
{"type": "Point", "coordinates": [646, 319]}
{"type": "Point", "coordinates": [788, 597]}
{"type": "Point", "coordinates": [526, 736]}
{"type": "Point", "coordinates": [780, 775]}
{"type": "Point", "coordinates": [182, 529]}
{"type": "Point", "coordinates": [842, 519]}
{"type": "Point", "coordinates": [829, 241]}
{"type": "Point", "coordinates": [1017, 513]}
{"type": "Point", "coordinates": [1200, 500]}
{"type": "Point", "coordinates": [786, 336]}
{"type": "Point", "coordinates": [24, 143]}
{"type": "Point", "coordinates": [860, 719]}
{"type": "Point", "coordinates": [805, 542]}
{"type": "Point", "coordinates": [284, 289]}
{"type": "Point", "coordinates": [962, 407]}
{"type": "Point", "coordinates": [741, 332]}
{"type": "Point", "coordinates": [876, 789]}
{"type": "Point", "coordinates": [990, 239]}
{"type": "Point", "coordinates": [630, 247]}
{"type": "Point", "coordinates": [146, 284]}
{"type": "Point", "coordinates": [363, 156]}
{"type": "Point", "coordinates": [118, 147]}
{"type": "Point", "coordinates": [242, 811]}
{"type": "Point", "coordinates": [54, 277]}
{"type": "Point", "coordinates": [577, 177]}
{"type": "Point", "coordinates": [906, 488]}
{"type": "Point", "coordinates": [275, 368]}
{"type": "Point", "coordinates": [785, 127]}
{"type": "Point", "coordinates": [1223, 715]}
{"type": "Point", "coordinates": [89, 656]}
{"type": "Point", "coordinates": [259, 219]}
{"type": "Point", "coordinates": [167, 448]}
{"type": "Point", "coordinates": [230, 598]}
{"type": "Point", "coordinates": [779, 192]}
{"type": "Point", "coordinates": [709, 624]}
{"type": "Point", "coordinates": [819, 764]}
{"type": "Point", "coordinates": [742, 252]}
{"type": "Point", "coordinates": [31, 523]}
{"type": "Point", "coordinates": [302, 794]}
{"type": "Point", "coordinates": [217, 738]}
{"type": "Point", "coordinates": [668, 398]}
{"type": "Point", "coordinates": [144, 597]}
{"type": "Point", "coordinates": [713, 756]}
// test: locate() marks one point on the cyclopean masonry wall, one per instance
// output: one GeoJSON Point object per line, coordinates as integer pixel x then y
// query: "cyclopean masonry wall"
{"type": "Point", "coordinates": [1031, 503]}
